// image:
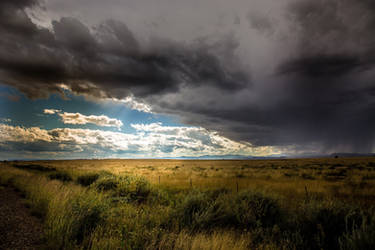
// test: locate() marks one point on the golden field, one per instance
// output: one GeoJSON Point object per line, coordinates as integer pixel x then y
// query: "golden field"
{"type": "Point", "coordinates": [201, 204]}
{"type": "Point", "coordinates": [342, 177]}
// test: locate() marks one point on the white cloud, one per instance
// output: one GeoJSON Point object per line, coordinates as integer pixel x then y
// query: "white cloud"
{"type": "Point", "coordinates": [101, 120]}
{"type": "Point", "coordinates": [149, 140]}
{"type": "Point", "coordinates": [51, 111]}
{"type": "Point", "coordinates": [77, 118]}
{"type": "Point", "coordinates": [131, 103]}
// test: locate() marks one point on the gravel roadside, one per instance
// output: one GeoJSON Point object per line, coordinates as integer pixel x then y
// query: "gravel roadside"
{"type": "Point", "coordinates": [18, 228]}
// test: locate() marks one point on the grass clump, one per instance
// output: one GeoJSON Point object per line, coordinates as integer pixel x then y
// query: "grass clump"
{"type": "Point", "coordinates": [61, 176]}
{"type": "Point", "coordinates": [34, 167]}
{"type": "Point", "coordinates": [359, 237]}
{"type": "Point", "coordinates": [246, 210]}
{"type": "Point", "coordinates": [73, 215]}
{"type": "Point", "coordinates": [319, 224]}
{"type": "Point", "coordinates": [256, 209]}
{"type": "Point", "coordinates": [87, 179]}
{"type": "Point", "coordinates": [135, 189]}
{"type": "Point", "coordinates": [89, 212]}
{"type": "Point", "coordinates": [106, 184]}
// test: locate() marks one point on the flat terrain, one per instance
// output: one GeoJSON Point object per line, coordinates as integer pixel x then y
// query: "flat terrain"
{"type": "Point", "coordinates": [326, 203]}
{"type": "Point", "coordinates": [342, 178]}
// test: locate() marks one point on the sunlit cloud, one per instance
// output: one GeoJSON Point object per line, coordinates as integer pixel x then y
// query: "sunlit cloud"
{"type": "Point", "coordinates": [51, 111]}
{"type": "Point", "coordinates": [149, 140]}
{"type": "Point", "coordinates": [80, 119]}
{"type": "Point", "coordinates": [131, 103]}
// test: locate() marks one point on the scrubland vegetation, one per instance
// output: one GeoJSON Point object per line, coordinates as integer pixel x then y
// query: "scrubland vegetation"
{"type": "Point", "coordinates": [170, 204]}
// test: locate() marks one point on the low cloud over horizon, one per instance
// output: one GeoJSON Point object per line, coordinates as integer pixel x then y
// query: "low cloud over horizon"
{"type": "Point", "coordinates": [150, 140]}
{"type": "Point", "coordinates": [296, 76]}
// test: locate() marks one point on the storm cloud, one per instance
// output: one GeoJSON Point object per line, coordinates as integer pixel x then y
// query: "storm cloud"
{"type": "Point", "coordinates": [297, 74]}
{"type": "Point", "coordinates": [106, 60]}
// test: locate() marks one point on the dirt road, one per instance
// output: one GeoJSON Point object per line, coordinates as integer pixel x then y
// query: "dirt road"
{"type": "Point", "coordinates": [18, 228]}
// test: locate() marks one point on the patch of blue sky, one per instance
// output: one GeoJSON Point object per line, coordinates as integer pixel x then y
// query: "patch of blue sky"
{"type": "Point", "coordinates": [29, 113]}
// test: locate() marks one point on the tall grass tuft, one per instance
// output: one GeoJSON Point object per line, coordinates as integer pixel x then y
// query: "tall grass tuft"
{"type": "Point", "coordinates": [87, 179]}
{"type": "Point", "coordinates": [62, 176]}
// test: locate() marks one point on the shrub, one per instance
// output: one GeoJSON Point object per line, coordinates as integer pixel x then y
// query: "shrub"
{"type": "Point", "coordinates": [217, 214]}
{"type": "Point", "coordinates": [246, 210]}
{"type": "Point", "coordinates": [106, 184]}
{"type": "Point", "coordinates": [87, 179]}
{"type": "Point", "coordinates": [321, 224]}
{"type": "Point", "coordinates": [142, 190]}
{"type": "Point", "coordinates": [133, 188]}
{"type": "Point", "coordinates": [193, 204]}
{"type": "Point", "coordinates": [65, 177]}
{"type": "Point", "coordinates": [256, 209]}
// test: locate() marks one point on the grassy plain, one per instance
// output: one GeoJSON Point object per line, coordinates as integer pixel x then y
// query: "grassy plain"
{"type": "Point", "coordinates": [189, 204]}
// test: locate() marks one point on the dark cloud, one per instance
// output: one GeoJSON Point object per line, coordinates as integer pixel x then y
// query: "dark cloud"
{"type": "Point", "coordinates": [312, 71]}
{"type": "Point", "coordinates": [322, 65]}
{"type": "Point", "coordinates": [329, 79]}
{"type": "Point", "coordinates": [260, 22]}
{"type": "Point", "coordinates": [320, 97]}
{"type": "Point", "coordinates": [110, 59]}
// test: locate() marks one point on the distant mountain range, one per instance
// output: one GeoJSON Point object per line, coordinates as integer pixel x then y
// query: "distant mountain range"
{"type": "Point", "coordinates": [224, 157]}
{"type": "Point", "coordinates": [351, 155]}
{"type": "Point", "coordinates": [245, 157]}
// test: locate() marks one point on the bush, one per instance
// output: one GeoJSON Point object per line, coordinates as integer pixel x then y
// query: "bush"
{"type": "Point", "coordinates": [133, 188]}
{"type": "Point", "coordinates": [246, 210]}
{"type": "Point", "coordinates": [142, 190]}
{"type": "Point", "coordinates": [321, 224]}
{"type": "Point", "coordinates": [194, 204]}
{"type": "Point", "coordinates": [87, 179]}
{"type": "Point", "coordinates": [106, 184]}
{"type": "Point", "coordinates": [65, 177]}
{"type": "Point", "coordinates": [256, 209]}
{"type": "Point", "coordinates": [218, 214]}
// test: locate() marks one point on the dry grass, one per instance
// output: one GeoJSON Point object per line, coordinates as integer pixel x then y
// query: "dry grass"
{"type": "Point", "coordinates": [200, 204]}
{"type": "Point", "coordinates": [347, 178]}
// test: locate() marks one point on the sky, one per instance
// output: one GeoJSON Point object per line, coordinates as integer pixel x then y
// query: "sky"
{"type": "Point", "coordinates": [172, 78]}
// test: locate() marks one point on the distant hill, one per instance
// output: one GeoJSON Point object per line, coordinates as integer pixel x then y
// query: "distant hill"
{"type": "Point", "coordinates": [344, 155]}
{"type": "Point", "coordinates": [225, 157]}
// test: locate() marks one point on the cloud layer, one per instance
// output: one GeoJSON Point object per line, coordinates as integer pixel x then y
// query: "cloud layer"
{"type": "Point", "coordinates": [286, 74]}
{"type": "Point", "coordinates": [107, 60]}
{"type": "Point", "coordinates": [80, 119]}
{"type": "Point", "coordinates": [151, 140]}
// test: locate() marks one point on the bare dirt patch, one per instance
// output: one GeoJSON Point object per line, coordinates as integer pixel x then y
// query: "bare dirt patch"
{"type": "Point", "coordinates": [18, 228]}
